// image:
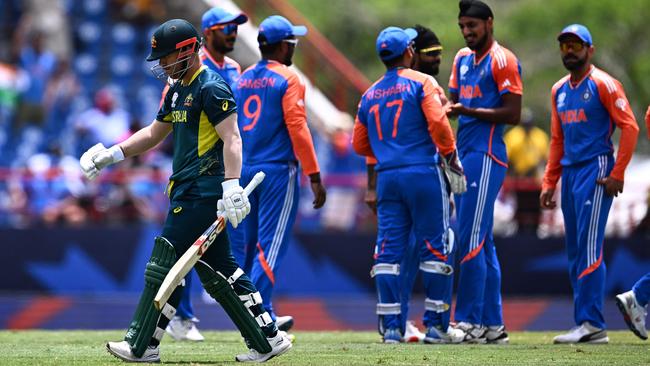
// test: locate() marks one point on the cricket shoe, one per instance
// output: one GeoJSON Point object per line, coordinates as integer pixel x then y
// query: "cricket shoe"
{"type": "Point", "coordinates": [435, 335]}
{"type": "Point", "coordinates": [472, 333]}
{"type": "Point", "coordinates": [284, 322]}
{"type": "Point", "coordinates": [279, 345]}
{"type": "Point", "coordinates": [496, 334]}
{"type": "Point", "coordinates": [633, 313]}
{"type": "Point", "coordinates": [585, 333]}
{"type": "Point", "coordinates": [184, 330]}
{"type": "Point", "coordinates": [392, 336]}
{"type": "Point", "coordinates": [122, 350]}
{"type": "Point", "coordinates": [412, 334]}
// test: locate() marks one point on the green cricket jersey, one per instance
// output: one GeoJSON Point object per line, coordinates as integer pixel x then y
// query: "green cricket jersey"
{"type": "Point", "coordinates": [194, 110]}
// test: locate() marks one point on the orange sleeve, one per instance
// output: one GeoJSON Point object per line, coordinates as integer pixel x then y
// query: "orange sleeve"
{"type": "Point", "coordinates": [553, 166]}
{"type": "Point", "coordinates": [613, 98]}
{"type": "Point", "coordinates": [647, 122]}
{"type": "Point", "coordinates": [438, 124]}
{"type": "Point", "coordinates": [295, 117]}
{"type": "Point", "coordinates": [453, 78]}
{"type": "Point", "coordinates": [371, 160]}
{"type": "Point", "coordinates": [360, 141]}
{"type": "Point", "coordinates": [506, 72]}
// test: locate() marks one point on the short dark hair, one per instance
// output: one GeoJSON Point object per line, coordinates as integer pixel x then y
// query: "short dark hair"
{"type": "Point", "coordinates": [393, 62]}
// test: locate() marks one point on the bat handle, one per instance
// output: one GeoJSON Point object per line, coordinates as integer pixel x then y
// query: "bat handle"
{"type": "Point", "coordinates": [257, 179]}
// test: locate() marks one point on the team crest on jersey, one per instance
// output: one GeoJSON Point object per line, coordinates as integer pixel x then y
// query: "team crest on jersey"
{"type": "Point", "coordinates": [188, 100]}
{"type": "Point", "coordinates": [174, 97]}
{"type": "Point", "coordinates": [586, 95]}
{"type": "Point", "coordinates": [560, 99]}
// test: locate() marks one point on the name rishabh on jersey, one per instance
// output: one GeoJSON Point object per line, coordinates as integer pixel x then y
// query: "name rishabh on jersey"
{"type": "Point", "coordinates": [272, 117]}
{"type": "Point", "coordinates": [480, 84]}
{"type": "Point", "coordinates": [401, 121]}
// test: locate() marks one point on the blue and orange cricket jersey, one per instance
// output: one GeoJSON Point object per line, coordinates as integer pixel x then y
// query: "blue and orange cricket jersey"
{"type": "Point", "coordinates": [229, 69]}
{"type": "Point", "coordinates": [584, 117]}
{"type": "Point", "coordinates": [272, 117]}
{"type": "Point", "coordinates": [480, 84]}
{"type": "Point", "coordinates": [401, 122]}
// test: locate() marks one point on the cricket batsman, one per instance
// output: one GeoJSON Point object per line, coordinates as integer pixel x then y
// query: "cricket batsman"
{"type": "Point", "coordinates": [200, 111]}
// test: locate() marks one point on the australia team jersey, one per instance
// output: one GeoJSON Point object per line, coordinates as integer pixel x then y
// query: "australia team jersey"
{"type": "Point", "coordinates": [401, 121]}
{"type": "Point", "coordinates": [584, 117]}
{"type": "Point", "coordinates": [480, 84]}
{"type": "Point", "coordinates": [194, 110]}
{"type": "Point", "coordinates": [272, 118]}
{"type": "Point", "coordinates": [229, 69]}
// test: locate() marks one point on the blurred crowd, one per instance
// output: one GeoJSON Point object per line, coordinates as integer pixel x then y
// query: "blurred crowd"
{"type": "Point", "coordinates": [72, 73]}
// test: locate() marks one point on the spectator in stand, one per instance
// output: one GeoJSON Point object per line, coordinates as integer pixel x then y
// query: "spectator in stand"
{"type": "Point", "coordinates": [39, 64]}
{"type": "Point", "coordinates": [59, 95]}
{"type": "Point", "coordinates": [105, 122]}
{"type": "Point", "coordinates": [527, 148]}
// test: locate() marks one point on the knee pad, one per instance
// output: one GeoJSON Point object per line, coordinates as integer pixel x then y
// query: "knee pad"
{"type": "Point", "coordinates": [437, 267]}
{"type": "Point", "coordinates": [145, 319]}
{"type": "Point", "coordinates": [238, 308]}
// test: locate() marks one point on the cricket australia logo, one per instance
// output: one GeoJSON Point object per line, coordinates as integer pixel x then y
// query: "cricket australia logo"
{"type": "Point", "coordinates": [188, 100]}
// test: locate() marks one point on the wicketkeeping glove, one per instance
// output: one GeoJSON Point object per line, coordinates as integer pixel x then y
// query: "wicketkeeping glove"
{"type": "Point", "coordinates": [97, 158]}
{"type": "Point", "coordinates": [454, 172]}
{"type": "Point", "coordinates": [234, 204]}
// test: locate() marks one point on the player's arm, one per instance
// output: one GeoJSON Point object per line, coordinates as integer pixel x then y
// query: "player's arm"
{"type": "Point", "coordinates": [553, 166]}
{"type": "Point", "coordinates": [371, 190]}
{"type": "Point", "coordinates": [232, 146]}
{"type": "Point", "coordinates": [613, 98]}
{"type": "Point", "coordinates": [99, 157]}
{"type": "Point", "coordinates": [295, 117]}
{"type": "Point", "coordinates": [647, 122]}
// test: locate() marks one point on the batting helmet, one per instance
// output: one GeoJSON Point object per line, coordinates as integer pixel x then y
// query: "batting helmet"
{"type": "Point", "coordinates": [170, 36]}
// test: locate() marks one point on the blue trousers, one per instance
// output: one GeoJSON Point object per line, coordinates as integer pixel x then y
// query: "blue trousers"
{"type": "Point", "coordinates": [185, 310]}
{"type": "Point", "coordinates": [260, 242]}
{"type": "Point", "coordinates": [642, 290]}
{"type": "Point", "coordinates": [585, 207]}
{"type": "Point", "coordinates": [479, 284]}
{"type": "Point", "coordinates": [411, 200]}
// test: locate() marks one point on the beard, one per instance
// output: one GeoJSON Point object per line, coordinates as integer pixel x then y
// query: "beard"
{"type": "Point", "coordinates": [573, 63]}
{"type": "Point", "coordinates": [479, 43]}
{"type": "Point", "coordinates": [223, 47]}
{"type": "Point", "coordinates": [429, 68]}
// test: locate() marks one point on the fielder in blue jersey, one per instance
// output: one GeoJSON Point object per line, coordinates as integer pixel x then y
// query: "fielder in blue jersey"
{"type": "Point", "coordinates": [402, 124]}
{"type": "Point", "coordinates": [587, 106]}
{"type": "Point", "coordinates": [273, 125]}
{"type": "Point", "coordinates": [426, 59]}
{"type": "Point", "coordinates": [486, 90]}
{"type": "Point", "coordinates": [220, 34]}
{"type": "Point", "coordinates": [633, 303]}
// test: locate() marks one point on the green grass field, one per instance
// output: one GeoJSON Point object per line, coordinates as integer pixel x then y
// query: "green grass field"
{"type": "Point", "coordinates": [323, 348]}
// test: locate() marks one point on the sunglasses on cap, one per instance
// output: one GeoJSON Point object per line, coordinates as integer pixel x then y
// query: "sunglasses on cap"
{"type": "Point", "coordinates": [576, 46]}
{"type": "Point", "coordinates": [293, 41]}
{"type": "Point", "coordinates": [226, 29]}
{"type": "Point", "coordinates": [431, 51]}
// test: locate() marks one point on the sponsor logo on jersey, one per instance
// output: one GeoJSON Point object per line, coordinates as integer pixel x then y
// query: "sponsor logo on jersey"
{"type": "Point", "coordinates": [224, 105]}
{"type": "Point", "coordinates": [620, 104]}
{"type": "Point", "coordinates": [177, 209]}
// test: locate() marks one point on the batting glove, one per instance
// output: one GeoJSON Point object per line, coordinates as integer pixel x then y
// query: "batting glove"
{"type": "Point", "coordinates": [234, 204]}
{"type": "Point", "coordinates": [97, 158]}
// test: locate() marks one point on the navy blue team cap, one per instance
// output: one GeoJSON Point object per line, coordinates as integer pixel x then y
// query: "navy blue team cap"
{"type": "Point", "coordinates": [393, 41]}
{"type": "Point", "coordinates": [276, 28]}
{"type": "Point", "coordinates": [218, 16]}
{"type": "Point", "coordinates": [577, 30]}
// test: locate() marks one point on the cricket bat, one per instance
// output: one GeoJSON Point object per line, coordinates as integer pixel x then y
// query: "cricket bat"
{"type": "Point", "coordinates": [185, 263]}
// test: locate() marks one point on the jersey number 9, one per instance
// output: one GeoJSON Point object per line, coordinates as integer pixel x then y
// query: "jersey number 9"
{"type": "Point", "coordinates": [255, 114]}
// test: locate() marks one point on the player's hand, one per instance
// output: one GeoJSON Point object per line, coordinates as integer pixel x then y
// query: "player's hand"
{"type": "Point", "coordinates": [546, 199]}
{"type": "Point", "coordinates": [454, 173]}
{"type": "Point", "coordinates": [97, 158]}
{"type": "Point", "coordinates": [320, 195]}
{"type": "Point", "coordinates": [234, 204]}
{"type": "Point", "coordinates": [371, 200]}
{"type": "Point", "coordinates": [612, 186]}
{"type": "Point", "coordinates": [453, 110]}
